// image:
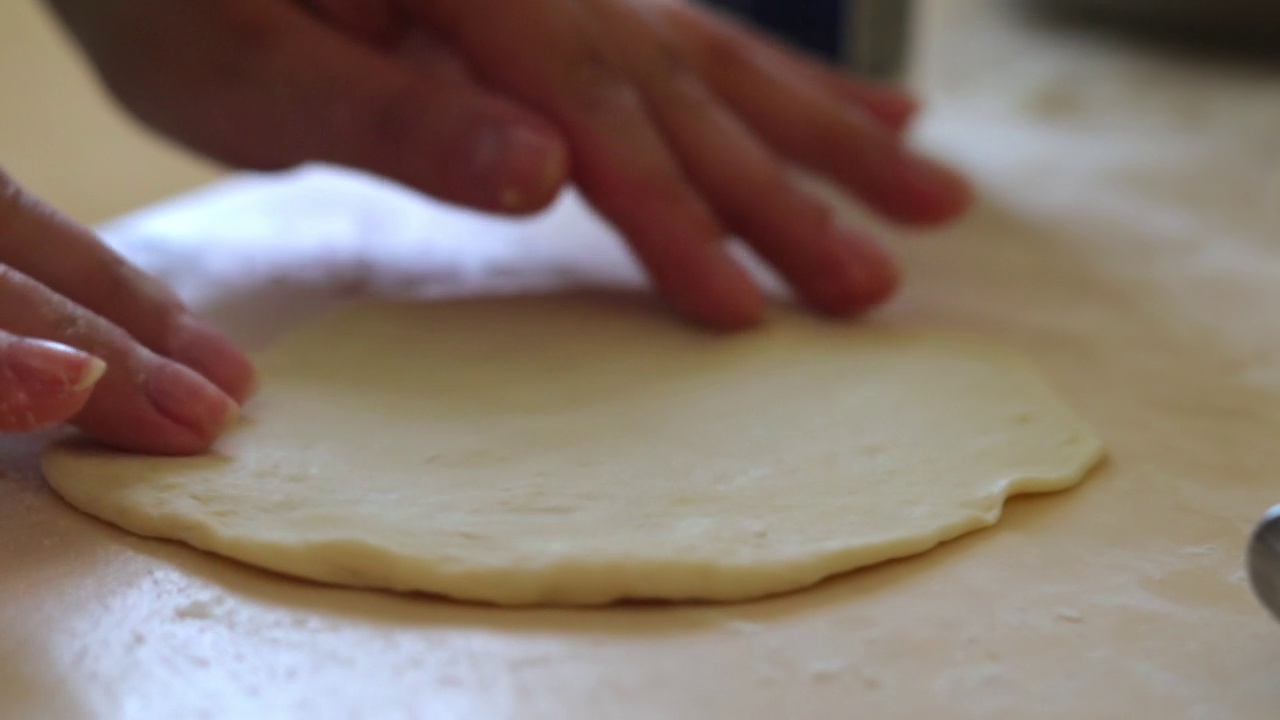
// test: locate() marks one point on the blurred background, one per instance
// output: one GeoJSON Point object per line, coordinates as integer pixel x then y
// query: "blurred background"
{"type": "Point", "coordinates": [64, 139]}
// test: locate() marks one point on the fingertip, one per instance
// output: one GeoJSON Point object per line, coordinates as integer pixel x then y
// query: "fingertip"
{"type": "Point", "coordinates": [865, 276]}
{"type": "Point", "coordinates": [947, 193]}
{"type": "Point", "coordinates": [893, 108]}
{"type": "Point", "coordinates": [523, 165]}
{"type": "Point", "coordinates": [204, 349]}
{"type": "Point", "coordinates": [44, 383]}
{"type": "Point", "coordinates": [150, 404]}
{"type": "Point", "coordinates": [419, 119]}
{"type": "Point", "coordinates": [186, 399]}
{"type": "Point", "coordinates": [94, 369]}
{"type": "Point", "coordinates": [157, 407]}
{"type": "Point", "coordinates": [923, 192]}
{"type": "Point", "coordinates": [34, 363]}
{"type": "Point", "coordinates": [739, 317]}
{"type": "Point", "coordinates": [879, 285]}
{"type": "Point", "coordinates": [725, 300]}
{"type": "Point", "coordinates": [534, 166]}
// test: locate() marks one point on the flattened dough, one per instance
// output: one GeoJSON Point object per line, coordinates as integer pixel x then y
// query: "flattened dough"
{"type": "Point", "coordinates": [569, 450]}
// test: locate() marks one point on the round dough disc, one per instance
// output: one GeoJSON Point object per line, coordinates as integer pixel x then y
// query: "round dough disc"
{"type": "Point", "coordinates": [568, 450]}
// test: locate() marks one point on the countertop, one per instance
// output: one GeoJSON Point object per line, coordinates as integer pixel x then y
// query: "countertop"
{"type": "Point", "coordinates": [1128, 240]}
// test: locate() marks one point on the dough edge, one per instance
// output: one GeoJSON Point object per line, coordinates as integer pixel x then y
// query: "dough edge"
{"type": "Point", "coordinates": [539, 585]}
{"type": "Point", "coordinates": [572, 581]}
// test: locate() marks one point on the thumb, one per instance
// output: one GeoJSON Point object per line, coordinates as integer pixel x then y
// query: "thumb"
{"type": "Point", "coordinates": [43, 383]}
{"type": "Point", "coordinates": [269, 86]}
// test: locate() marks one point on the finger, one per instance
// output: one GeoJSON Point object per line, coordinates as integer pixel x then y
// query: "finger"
{"type": "Point", "coordinates": [421, 51]}
{"type": "Point", "coordinates": [280, 87]}
{"type": "Point", "coordinates": [833, 270]}
{"type": "Point", "coordinates": [56, 252]}
{"type": "Point", "coordinates": [143, 402]}
{"type": "Point", "coordinates": [892, 106]}
{"type": "Point", "coordinates": [805, 123]}
{"type": "Point", "coordinates": [718, 34]}
{"type": "Point", "coordinates": [620, 160]}
{"type": "Point", "coordinates": [625, 169]}
{"type": "Point", "coordinates": [43, 384]}
{"type": "Point", "coordinates": [382, 25]}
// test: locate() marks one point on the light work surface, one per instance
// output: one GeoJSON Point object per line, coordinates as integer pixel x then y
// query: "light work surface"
{"type": "Point", "coordinates": [1128, 242]}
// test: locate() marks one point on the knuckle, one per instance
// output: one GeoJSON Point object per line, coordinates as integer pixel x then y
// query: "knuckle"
{"type": "Point", "coordinates": [35, 310]}
{"type": "Point", "coordinates": [394, 117]}
{"type": "Point", "coordinates": [667, 63]}
{"type": "Point", "coordinates": [123, 280]}
{"type": "Point", "coordinates": [148, 309]}
{"type": "Point", "coordinates": [10, 280]}
{"type": "Point", "coordinates": [595, 87]}
{"type": "Point", "coordinates": [671, 81]}
{"type": "Point", "coordinates": [725, 54]}
{"type": "Point", "coordinates": [810, 212]}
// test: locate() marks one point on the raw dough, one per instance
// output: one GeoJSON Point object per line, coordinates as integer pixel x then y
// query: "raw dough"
{"type": "Point", "coordinates": [566, 450]}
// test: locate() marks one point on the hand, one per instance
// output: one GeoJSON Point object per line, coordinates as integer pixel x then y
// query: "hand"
{"type": "Point", "coordinates": [86, 337]}
{"type": "Point", "coordinates": [678, 125]}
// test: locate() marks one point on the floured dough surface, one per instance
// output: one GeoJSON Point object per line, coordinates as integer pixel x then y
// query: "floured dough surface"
{"type": "Point", "coordinates": [569, 450]}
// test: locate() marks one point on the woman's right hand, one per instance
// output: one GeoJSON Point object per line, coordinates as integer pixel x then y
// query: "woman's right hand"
{"type": "Point", "coordinates": [87, 338]}
{"type": "Point", "coordinates": [681, 127]}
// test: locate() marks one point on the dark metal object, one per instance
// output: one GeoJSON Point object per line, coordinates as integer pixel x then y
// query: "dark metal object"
{"type": "Point", "coordinates": [1264, 561]}
{"type": "Point", "coordinates": [869, 37]}
{"type": "Point", "coordinates": [877, 37]}
{"type": "Point", "coordinates": [1251, 26]}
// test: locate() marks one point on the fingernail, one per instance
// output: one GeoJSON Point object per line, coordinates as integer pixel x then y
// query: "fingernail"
{"type": "Point", "coordinates": [54, 364]}
{"type": "Point", "coordinates": [183, 396]}
{"type": "Point", "coordinates": [203, 349]}
{"type": "Point", "coordinates": [93, 372]}
{"type": "Point", "coordinates": [529, 166]}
